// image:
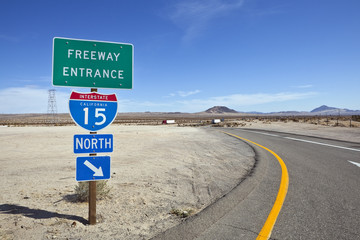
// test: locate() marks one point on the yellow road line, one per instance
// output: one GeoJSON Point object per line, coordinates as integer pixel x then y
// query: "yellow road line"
{"type": "Point", "coordinates": [266, 230]}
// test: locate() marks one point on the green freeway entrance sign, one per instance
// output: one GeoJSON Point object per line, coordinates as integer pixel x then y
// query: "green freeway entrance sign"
{"type": "Point", "coordinates": [94, 64]}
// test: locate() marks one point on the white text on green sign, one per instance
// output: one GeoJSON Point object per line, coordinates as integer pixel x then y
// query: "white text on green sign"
{"type": "Point", "coordinates": [84, 63]}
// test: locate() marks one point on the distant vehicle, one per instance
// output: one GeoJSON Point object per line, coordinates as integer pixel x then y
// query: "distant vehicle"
{"type": "Point", "coordinates": [168, 121]}
{"type": "Point", "coordinates": [214, 121]}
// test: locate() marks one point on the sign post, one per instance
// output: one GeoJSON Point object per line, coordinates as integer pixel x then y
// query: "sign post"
{"type": "Point", "coordinates": [92, 189]}
{"type": "Point", "coordinates": [92, 202]}
{"type": "Point", "coordinates": [93, 64]}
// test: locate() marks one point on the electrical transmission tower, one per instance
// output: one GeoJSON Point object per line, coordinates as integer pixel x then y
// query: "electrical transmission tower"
{"type": "Point", "coordinates": [52, 109]}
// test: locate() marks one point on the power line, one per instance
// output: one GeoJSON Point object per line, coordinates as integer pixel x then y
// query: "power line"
{"type": "Point", "coordinates": [52, 108]}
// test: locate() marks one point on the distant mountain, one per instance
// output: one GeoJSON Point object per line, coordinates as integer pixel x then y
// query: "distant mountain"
{"type": "Point", "coordinates": [220, 109]}
{"type": "Point", "coordinates": [254, 112]}
{"type": "Point", "coordinates": [289, 113]}
{"type": "Point", "coordinates": [323, 108]}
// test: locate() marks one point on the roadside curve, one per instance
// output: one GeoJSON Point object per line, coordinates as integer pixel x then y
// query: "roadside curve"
{"type": "Point", "coordinates": [241, 213]}
{"type": "Point", "coordinates": [265, 232]}
{"type": "Point", "coordinates": [193, 226]}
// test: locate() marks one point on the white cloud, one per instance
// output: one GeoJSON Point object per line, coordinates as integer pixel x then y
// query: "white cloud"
{"type": "Point", "coordinates": [237, 101]}
{"type": "Point", "coordinates": [193, 16]}
{"type": "Point", "coordinates": [8, 38]}
{"type": "Point", "coordinates": [304, 86]}
{"type": "Point", "coordinates": [125, 105]}
{"type": "Point", "coordinates": [30, 99]}
{"type": "Point", "coordinates": [184, 93]}
{"type": "Point", "coordinates": [189, 93]}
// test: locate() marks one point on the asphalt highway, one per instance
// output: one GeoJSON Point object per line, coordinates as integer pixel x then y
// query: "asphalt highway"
{"type": "Point", "coordinates": [322, 198]}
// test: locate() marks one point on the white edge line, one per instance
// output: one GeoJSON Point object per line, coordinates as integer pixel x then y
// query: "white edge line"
{"type": "Point", "coordinates": [302, 140]}
{"type": "Point", "coordinates": [268, 134]}
{"type": "Point", "coordinates": [355, 163]}
{"type": "Point", "coordinates": [324, 144]}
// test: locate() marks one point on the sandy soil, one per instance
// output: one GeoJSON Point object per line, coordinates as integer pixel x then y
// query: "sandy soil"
{"type": "Point", "coordinates": [154, 169]}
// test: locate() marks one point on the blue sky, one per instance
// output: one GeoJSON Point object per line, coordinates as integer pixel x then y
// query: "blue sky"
{"type": "Point", "coordinates": [249, 55]}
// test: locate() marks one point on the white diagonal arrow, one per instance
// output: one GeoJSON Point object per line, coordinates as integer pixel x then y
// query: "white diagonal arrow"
{"type": "Point", "coordinates": [355, 163]}
{"type": "Point", "coordinates": [97, 172]}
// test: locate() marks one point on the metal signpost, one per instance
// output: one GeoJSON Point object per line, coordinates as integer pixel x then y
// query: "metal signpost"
{"type": "Point", "coordinates": [93, 64]}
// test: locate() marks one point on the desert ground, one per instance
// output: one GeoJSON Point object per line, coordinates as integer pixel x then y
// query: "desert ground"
{"type": "Point", "coordinates": [155, 169]}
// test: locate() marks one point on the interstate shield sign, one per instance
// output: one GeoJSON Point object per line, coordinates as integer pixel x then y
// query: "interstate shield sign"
{"type": "Point", "coordinates": [93, 111]}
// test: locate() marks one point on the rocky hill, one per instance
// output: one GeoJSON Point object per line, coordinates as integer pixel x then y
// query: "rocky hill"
{"type": "Point", "coordinates": [220, 109]}
{"type": "Point", "coordinates": [325, 110]}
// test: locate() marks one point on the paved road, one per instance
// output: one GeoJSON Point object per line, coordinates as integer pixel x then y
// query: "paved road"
{"type": "Point", "coordinates": [322, 201]}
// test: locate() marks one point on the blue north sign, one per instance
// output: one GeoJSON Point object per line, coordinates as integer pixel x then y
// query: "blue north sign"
{"type": "Point", "coordinates": [93, 143]}
{"type": "Point", "coordinates": [93, 111]}
{"type": "Point", "coordinates": [92, 168]}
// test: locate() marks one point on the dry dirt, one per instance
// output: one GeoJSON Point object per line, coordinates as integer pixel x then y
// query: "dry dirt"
{"type": "Point", "coordinates": [154, 169]}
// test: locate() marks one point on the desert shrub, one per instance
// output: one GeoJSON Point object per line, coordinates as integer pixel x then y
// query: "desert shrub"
{"type": "Point", "coordinates": [182, 213]}
{"type": "Point", "coordinates": [82, 191]}
{"type": "Point", "coordinates": [355, 118]}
